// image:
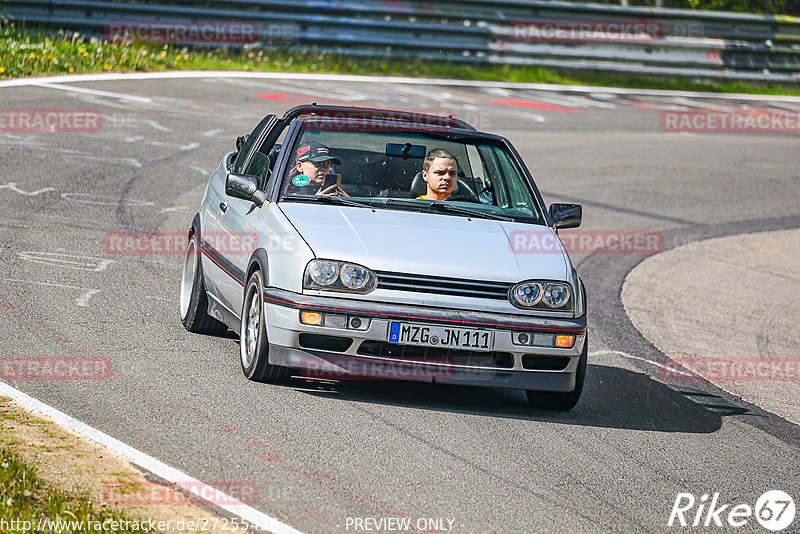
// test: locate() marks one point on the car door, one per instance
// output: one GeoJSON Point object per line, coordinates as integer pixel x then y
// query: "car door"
{"type": "Point", "coordinates": [225, 239]}
{"type": "Point", "coordinates": [238, 224]}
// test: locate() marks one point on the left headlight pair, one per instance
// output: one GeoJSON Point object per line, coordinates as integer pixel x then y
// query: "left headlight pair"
{"type": "Point", "coordinates": [339, 276]}
{"type": "Point", "coordinates": [541, 295]}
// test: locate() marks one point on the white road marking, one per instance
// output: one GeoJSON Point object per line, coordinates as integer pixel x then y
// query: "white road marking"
{"type": "Point", "coordinates": [578, 101]}
{"type": "Point", "coordinates": [702, 105]}
{"type": "Point", "coordinates": [80, 301]}
{"type": "Point", "coordinates": [83, 300]}
{"type": "Point", "coordinates": [198, 169]}
{"type": "Point", "coordinates": [87, 155]}
{"type": "Point", "coordinates": [212, 133]}
{"type": "Point", "coordinates": [13, 187]}
{"type": "Point", "coordinates": [147, 462]}
{"type": "Point", "coordinates": [154, 124]}
{"type": "Point", "coordinates": [116, 137]}
{"type": "Point", "coordinates": [101, 200]}
{"type": "Point", "coordinates": [92, 91]}
{"type": "Point", "coordinates": [136, 138]}
{"type": "Point", "coordinates": [638, 358]}
{"type": "Point", "coordinates": [72, 261]}
{"type": "Point", "coordinates": [229, 75]}
{"type": "Point", "coordinates": [174, 146]}
{"type": "Point", "coordinates": [176, 208]}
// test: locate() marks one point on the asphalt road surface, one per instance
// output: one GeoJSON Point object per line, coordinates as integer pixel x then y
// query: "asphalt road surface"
{"type": "Point", "coordinates": [324, 454]}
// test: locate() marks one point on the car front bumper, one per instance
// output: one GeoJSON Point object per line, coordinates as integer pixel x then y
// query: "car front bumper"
{"type": "Point", "coordinates": [343, 352]}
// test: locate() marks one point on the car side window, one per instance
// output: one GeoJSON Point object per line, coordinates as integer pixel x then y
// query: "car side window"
{"type": "Point", "coordinates": [238, 164]}
{"type": "Point", "coordinates": [258, 166]}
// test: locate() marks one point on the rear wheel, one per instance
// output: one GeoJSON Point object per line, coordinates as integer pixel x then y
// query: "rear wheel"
{"type": "Point", "coordinates": [193, 298]}
{"type": "Point", "coordinates": [562, 401]}
{"type": "Point", "coordinates": [253, 342]}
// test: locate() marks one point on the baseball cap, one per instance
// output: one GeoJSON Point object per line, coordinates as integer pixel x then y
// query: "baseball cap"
{"type": "Point", "coordinates": [315, 153]}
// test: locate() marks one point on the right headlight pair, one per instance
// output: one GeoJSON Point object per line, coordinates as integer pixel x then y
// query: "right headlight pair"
{"type": "Point", "coordinates": [543, 295]}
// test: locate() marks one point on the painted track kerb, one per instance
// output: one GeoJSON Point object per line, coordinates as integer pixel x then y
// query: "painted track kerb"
{"type": "Point", "coordinates": [137, 457]}
{"type": "Point", "coordinates": [583, 89]}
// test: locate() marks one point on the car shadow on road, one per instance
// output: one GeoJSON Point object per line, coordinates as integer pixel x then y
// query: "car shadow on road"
{"type": "Point", "coordinates": [612, 398]}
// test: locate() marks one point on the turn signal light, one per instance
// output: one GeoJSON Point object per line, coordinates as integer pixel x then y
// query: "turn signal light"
{"type": "Point", "coordinates": [565, 342]}
{"type": "Point", "coordinates": [313, 318]}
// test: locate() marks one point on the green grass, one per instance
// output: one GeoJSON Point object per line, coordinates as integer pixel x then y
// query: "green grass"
{"type": "Point", "coordinates": [24, 497]}
{"type": "Point", "coordinates": [25, 53]}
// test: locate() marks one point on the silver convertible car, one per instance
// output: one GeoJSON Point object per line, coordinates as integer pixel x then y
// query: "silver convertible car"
{"type": "Point", "coordinates": [345, 242]}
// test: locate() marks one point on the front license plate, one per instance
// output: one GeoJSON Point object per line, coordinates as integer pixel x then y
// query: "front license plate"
{"type": "Point", "coordinates": [447, 337]}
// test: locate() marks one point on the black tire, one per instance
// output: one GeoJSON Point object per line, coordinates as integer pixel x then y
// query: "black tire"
{"type": "Point", "coordinates": [193, 298]}
{"type": "Point", "coordinates": [253, 342]}
{"type": "Point", "coordinates": [562, 401]}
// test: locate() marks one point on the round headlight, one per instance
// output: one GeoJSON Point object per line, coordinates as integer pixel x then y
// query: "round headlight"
{"type": "Point", "coordinates": [527, 294]}
{"type": "Point", "coordinates": [555, 295]}
{"type": "Point", "coordinates": [324, 273]}
{"type": "Point", "coordinates": [354, 276]}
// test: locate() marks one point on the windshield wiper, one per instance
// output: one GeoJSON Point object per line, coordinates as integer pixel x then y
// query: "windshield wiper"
{"type": "Point", "coordinates": [343, 201]}
{"type": "Point", "coordinates": [446, 207]}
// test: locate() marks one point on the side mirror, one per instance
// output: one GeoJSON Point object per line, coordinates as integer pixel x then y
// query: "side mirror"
{"type": "Point", "coordinates": [566, 215]}
{"type": "Point", "coordinates": [244, 186]}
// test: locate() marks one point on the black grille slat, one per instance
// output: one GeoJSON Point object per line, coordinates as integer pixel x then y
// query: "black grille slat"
{"type": "Point", "coordinates": [444, 286]}
{"type": "Point", "coordinates": [421, 354]}
{"type": "Point", "coordinates": [439, 280]}
{"type": "Point", "coordinates": [443, 290]}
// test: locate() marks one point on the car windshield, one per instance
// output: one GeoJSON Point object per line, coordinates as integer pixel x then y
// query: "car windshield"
{"type": "Point", "coordinates": [385, 168]}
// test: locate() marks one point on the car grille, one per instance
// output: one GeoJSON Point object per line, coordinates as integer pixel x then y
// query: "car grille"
{"type": "Point", "coordinates": [414, 353]}
{"type": "Point", "coordinates": [443, 286]}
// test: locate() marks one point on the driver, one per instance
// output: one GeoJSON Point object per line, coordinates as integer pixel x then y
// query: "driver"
{"type": "Point", "coordinates": [314, 161]}
{"type": "Point", "coordinates": [440, 172]}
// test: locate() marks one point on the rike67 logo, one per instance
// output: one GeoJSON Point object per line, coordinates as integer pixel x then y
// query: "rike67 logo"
{"type": "Point", "coordinates": [774, 510]}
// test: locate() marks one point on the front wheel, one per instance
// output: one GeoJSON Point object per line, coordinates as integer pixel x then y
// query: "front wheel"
{"type": "Point", "coordinates": [253, 342]}
{"type": "Point", "coordinates": [562, 401]}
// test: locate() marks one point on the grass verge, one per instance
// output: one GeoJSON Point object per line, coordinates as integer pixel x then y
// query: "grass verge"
{"type": "Point", "coordinates": [51, 480]}
{"type": "Point", "coordinates": [28, 504]}
{"type": "Point", "coordinates": [25, 53]}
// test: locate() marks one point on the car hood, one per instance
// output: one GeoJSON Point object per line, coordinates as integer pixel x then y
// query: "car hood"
{"type": "Point", "coordinates": [430, 244]}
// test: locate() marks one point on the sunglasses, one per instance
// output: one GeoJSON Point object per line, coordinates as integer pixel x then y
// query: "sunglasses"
{"type": "Point", "coordinates": [323, 164]}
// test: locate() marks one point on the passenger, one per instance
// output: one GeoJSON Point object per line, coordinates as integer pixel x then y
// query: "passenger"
{"type": "Point", "coordinates": [440, 172]}
{"type": "Point", "coordinates": [314, 161]}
